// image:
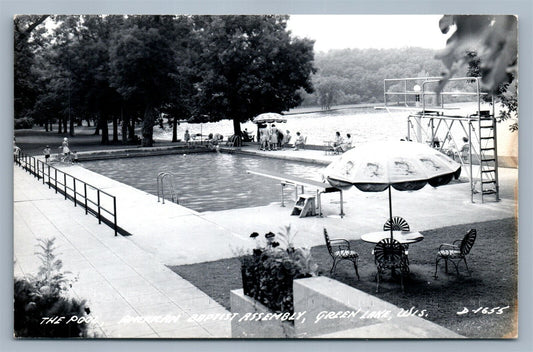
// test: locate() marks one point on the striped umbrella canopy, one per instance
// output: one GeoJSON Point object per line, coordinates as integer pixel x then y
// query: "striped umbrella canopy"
{"type": "Point", "coordinates": [269, 117]}
{"type": "Point", "coordinates": [404, 166]}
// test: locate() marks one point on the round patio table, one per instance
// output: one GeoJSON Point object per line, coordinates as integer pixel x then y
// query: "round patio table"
{"type": "Point", "coordinates": [404, 237]}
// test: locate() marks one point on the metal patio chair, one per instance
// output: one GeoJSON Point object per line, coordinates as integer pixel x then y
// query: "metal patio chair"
{"type": "Point", "coordinates": [456, 252]}
{"type": "Point", "coordinates": [389, 254]}
{"type": "Point", "coordinates": [340, 249]}
{"type": "Point", "coordinates": [398, 224]}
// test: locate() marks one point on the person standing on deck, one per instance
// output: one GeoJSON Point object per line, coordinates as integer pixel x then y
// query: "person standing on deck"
{"type": "Point", "coordinates": [263, 137]}
{"type": "Point", "coordinates": [187, 137]}
{"type": "Point", "coordinates": [268, 134]}
{"type": "Point", "coordinates": [47, 153]}
{"type": "Point", "coordinates": [64, 145]}
{"type": "Point", "coordinates": [273, 138]}
{"type": "Point", "coordinates": [286, 139]}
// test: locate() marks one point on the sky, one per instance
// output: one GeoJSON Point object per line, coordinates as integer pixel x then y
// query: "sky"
{"type": "Point", "coordinates": [369, 31]}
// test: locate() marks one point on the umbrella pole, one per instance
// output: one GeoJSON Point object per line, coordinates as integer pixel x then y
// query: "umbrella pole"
{"type": "Point", "coordinates": [390, 212]}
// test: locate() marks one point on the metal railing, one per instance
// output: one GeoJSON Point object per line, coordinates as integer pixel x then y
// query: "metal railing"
{"type": "Point", "coordinates": [95, 201]}
{"type": "Point", "coordinates": [161, 187]}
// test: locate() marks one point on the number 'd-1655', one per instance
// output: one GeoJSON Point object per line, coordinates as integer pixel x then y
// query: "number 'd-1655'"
{"type": "Point", "coordinates": [483, 310]}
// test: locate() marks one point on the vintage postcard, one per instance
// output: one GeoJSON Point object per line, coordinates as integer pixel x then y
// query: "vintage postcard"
{"type": "Point", "coordinates": [265, 176]}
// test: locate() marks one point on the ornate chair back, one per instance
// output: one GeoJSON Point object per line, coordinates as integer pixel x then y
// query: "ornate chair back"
{"type": "Point", "coordinates": [468, 242]}
{"type": "Point", "coordinates": [388, 253]}
{"type": "Point", "coordinates": [328, 244]}
{"type": "Point", "coordinates": [397, 224]}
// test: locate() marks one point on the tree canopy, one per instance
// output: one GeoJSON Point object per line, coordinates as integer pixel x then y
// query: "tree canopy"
{"type": "Point", "coordinates": [250, 65]}
{"type": "Point", "coordinates": [198, 68]}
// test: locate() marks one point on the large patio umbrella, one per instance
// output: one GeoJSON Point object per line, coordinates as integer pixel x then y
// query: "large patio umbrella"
{"type": "Point", "coordinates": [405, 166]}
{"type": "Point", "coordinates": [269, 117]}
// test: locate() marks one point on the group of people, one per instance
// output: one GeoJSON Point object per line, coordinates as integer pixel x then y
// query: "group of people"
{"type": "Point", "coordinates": [64, 154]}
{"type": "Point", "coordinates": [272, 138]}
{"type": "Point", "coordinates": [340, 145]}
{"type": "Point", "coordinates": [450, 148]}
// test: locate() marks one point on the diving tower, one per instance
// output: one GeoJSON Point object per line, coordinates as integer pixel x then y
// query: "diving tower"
{"type": "Point", "coordinates": [445, 119]}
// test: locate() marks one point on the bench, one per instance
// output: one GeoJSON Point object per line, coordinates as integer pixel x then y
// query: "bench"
{"type": "Point", "coordinates": [301, 182]}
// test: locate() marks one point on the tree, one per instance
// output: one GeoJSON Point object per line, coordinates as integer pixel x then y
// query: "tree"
{"type": "Point", "coordinates": [249, 65]}
{"type": "Point", "coordinates": [494, 38]}
{"type": "Point", "coordinates": [488, 45]}
{"type": "Point", "coordinates": [327, 90]}
{"type": "Point", "coordinates": [27, 39]}
{"type": "Point", "coordinates": [506, 92]}
{"type": "Point", "coordinates": [142, 65]}
{"type": "Point", "coordinates": [90, 66]}
{"type": "Point", "coordinates": [179, 106]}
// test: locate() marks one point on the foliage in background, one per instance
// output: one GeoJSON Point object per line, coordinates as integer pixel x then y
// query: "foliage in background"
{"type": "Point", "coordinates": [136, 68]}
{"type": "Point", "coordinates": [23, 123]}
{"type": "Point", "coordinates": [46, 295]}
{"type": "Point", "coordinates": [353, 76]}
{"type": "Point", "coordinates": [28, 31]}
{"type": "Point", "coordinates": [207, 68]}
{"type": "Point", "coordinates": [268, 273]}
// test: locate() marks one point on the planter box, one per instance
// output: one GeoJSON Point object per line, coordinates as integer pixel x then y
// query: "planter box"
{"type": "Point", "coordinates": [361, 316]}
{"type": "Point", "coordinates": [245, 326]}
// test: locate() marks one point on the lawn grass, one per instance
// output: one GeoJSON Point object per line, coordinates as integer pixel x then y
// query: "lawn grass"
{"type": "Point", "coordinates": [493, 283]}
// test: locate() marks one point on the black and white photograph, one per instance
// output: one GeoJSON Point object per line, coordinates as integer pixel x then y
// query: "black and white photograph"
{"type": "Point", "coordinates": [265, 176]}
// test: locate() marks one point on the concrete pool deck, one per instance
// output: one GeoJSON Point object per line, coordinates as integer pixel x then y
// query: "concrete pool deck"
{"type": "Point", "coordinates": [127, 276]}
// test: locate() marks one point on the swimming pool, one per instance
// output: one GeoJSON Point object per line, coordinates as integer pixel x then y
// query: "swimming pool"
{"type": "Point", "coordinates": [210, 181]}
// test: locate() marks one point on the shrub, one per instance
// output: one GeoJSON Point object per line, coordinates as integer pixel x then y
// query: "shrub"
{"type": "Point", "coordinates": [268, 273]}
{"type": "Point", "coordinates": [23, 123]}
{"type": "Point", "coordinates": [46, 295]}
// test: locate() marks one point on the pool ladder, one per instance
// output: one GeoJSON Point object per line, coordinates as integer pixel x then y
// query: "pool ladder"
{"type": "Point", "coordinates": [161, 187]}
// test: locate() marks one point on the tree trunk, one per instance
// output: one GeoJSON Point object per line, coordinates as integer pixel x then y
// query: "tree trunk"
{"type": "Point", "coordinates": [88, 122]}
{"type": "Point", "coordinates": [131, 130]}
{"type": "Point", "coordinates": [115, 129]}
{"type": "Point", "coordinates": [71, 126]}
{"type": "Point", "coordinates": [65, 124]}
{"type": "Point", "coordinates": [46, 125]}
{"type": "Point", "coordinates": [148, 126]}
{"type": "Point", "coordinates": [59, 126]}
{"type": "Point", "coordinates": [125, 125]}
{"type": "Point", "coordinates": [105, 129]}
{"type": "Point", "coordinates": [237, 126]}
{"type": "Point", "coordinates": [175, 129]}
{"type": "Point", "coordinates": [97, 124]}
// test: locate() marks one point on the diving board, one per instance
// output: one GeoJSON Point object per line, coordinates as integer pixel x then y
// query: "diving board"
{"type": "Point", "coordinates": [320, 187]}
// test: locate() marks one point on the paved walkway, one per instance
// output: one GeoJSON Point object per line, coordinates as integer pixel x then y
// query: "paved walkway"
{"type": "Point", "coordinates": [127, 276]}
{"type": "Point", "coordinates": [119, 279]}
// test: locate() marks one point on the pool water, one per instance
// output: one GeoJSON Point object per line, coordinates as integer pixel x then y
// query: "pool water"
{"type": "Point", "coordinates": [210, 181]}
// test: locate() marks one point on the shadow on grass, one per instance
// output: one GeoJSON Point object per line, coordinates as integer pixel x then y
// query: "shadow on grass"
{"type": "Point", "coordinates": [493, 283]}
